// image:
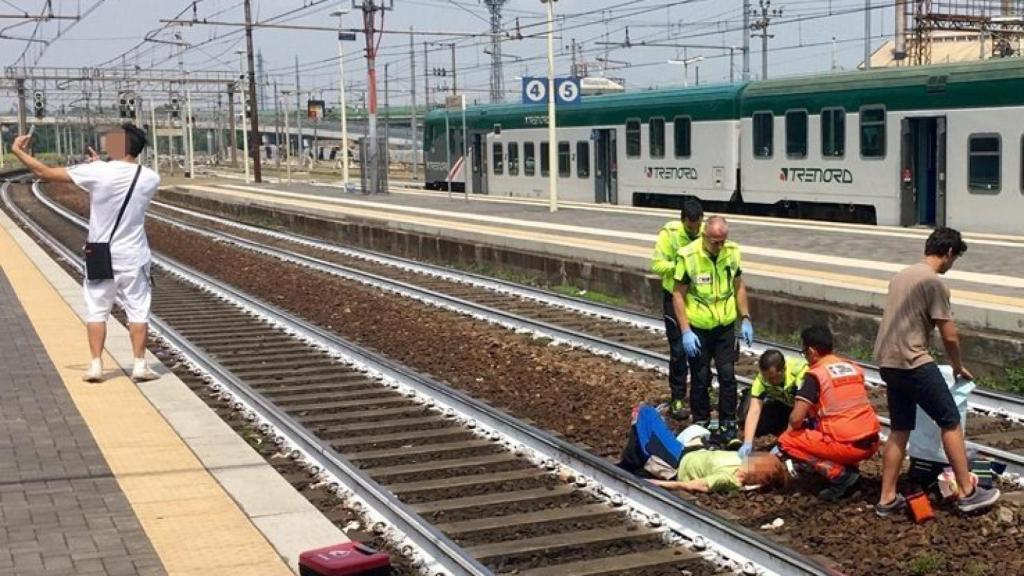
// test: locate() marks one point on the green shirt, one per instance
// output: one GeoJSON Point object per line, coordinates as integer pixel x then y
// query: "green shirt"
{"type": "Point", "coordinates": [796, 368]}
{"type": "Point", "coordinates": [671, 238]}
{"type": "Point", "coordinates": [716, 467]}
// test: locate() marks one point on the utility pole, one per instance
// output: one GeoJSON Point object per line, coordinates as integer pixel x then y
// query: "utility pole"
{"type": "Point", "coordinates": [255, 132]}
{"type": "Point", "coordinates": [497, 88]}
{"type": "Point", "coordinates": [370, 9]}
{"type": "Point", "coordinates": [277, 129]}
{"type": "Point", "coordinates": [387, 115]}
{"type": "Point", "coordinates": [412, 86]}
{"type": "Point", "coordinates": [298, 106]}
{"type": "Point", "coordinates": [426, 79]}
{"type": "Point", "coordinates": [232, 136]}
{"type": "Point", "coordinates": [867, 34]}
{"type": "Point", "coordinates": [455, 72]}
{"type": "Point", "coordinates": [746, 40]}
{"type": "Point", "coordinates": [245, 114]}
{"type": "Point", "coordinates": [22, 111]}
{"type": "Point", "coordinates": [761, 25]}
{"type": "Point", "coordinates": [287, 139]}
{"type": "Point", "coordinates": [552, 130]}
{"type": "Point", "coordinates": [156, 136]}
{"type": "Point", "coordinates": [342, 37]}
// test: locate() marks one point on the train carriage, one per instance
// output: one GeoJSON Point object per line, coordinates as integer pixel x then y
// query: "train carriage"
{"type": "Point", "coordinates": [934, 145]}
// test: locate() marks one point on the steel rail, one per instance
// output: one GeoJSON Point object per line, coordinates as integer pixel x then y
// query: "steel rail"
{"type": "Point", "coordinates": [984, 400]}
{"type": "Point", "coordinates": [735, 543]}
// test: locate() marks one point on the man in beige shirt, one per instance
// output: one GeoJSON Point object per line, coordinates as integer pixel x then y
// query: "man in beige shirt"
{"type": "Point", "coordinates": [918, 302]}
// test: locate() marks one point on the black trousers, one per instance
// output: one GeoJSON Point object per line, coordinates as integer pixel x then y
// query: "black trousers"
{"type": "Point", "coordinates": [774, 415]}
{"type": "Point", "coordinates": [719, 345]}
{"type": "Point", "coordinates": [677, 367]}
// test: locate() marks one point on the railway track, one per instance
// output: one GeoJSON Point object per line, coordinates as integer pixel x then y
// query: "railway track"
{"type": "Point", "coordinates": [472, 489]}
{"type": "Point", "coordinates": [626, 327]}
{"type": "Point", "coordinates": [615, 332]}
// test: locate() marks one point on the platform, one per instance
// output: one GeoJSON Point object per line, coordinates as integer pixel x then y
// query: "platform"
{"type": "Point", "coordinates": [846, 264]}
{"type": "Point", "coordinates": [117, 478]}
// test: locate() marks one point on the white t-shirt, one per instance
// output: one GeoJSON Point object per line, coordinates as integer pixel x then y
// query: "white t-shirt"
{"type": "Point", "coordinates": [107, 184]}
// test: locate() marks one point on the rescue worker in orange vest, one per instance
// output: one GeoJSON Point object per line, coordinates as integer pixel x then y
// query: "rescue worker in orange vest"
{"type": "Point", "coordinates": [833, 427]}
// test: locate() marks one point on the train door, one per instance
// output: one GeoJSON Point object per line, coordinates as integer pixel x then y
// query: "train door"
{"type": "Point", "coordinates": [479, 158]}
{"type": "Point", "coordinates": [923, 171]}
{"type": "Point", "coordinates": [606, 170]}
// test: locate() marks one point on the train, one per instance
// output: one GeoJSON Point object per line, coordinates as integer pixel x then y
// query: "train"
{"type": "Point", "coordinates": [937, 145]}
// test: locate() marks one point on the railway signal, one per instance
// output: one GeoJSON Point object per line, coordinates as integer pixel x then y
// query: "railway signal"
{"type": "Point", "coordinates": [39, 103]}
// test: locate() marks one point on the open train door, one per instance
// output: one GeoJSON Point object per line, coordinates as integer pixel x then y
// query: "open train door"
{"type": "Point", "coordinates": [923, 171]}
{"type": "Point", "coordinates": [606, 170]}
{"type": "Point", "coordinates": [479, 159]}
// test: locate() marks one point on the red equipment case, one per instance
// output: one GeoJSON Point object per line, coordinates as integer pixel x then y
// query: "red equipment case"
{"type": "Point", "coordinates": [348, 559]}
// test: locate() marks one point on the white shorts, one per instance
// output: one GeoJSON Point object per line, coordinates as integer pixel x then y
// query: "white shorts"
{"type": "Point", "coordinates": [132, 289]}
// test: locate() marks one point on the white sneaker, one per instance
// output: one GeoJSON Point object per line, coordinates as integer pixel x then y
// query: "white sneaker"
{"type": "Point", "coordinates": [94, 373]}
{"type": "Point", "coordinates": [143, 374]}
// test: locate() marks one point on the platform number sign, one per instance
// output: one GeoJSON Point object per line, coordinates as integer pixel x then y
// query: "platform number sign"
{"type": "Point", "coordinates": [535, 90]}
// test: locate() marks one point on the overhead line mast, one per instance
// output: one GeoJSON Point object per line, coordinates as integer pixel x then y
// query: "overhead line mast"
{"type": "Point", "coordinates": [497, 76]}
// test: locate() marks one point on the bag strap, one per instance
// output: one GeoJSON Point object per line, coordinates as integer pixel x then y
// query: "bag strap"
{"type": "Point", "coordinates": [125, 204]}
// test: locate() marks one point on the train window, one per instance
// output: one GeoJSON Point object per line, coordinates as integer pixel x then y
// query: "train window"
{"type": "Point", "coordinates": [656, 137]}
{"type": "Point", "coordinates": [583, 159]}
{"type": "Point", "coordinates": [513, 158]}
{"type": "Point", "coordinates": [681, 127]}
{"type": "Point", "coordinates": [633, 139]}
{"type": "Point", "coordinates": [764, 132]}
{"type": "Point", "coordinates": [983, 170]}
{"type": "Point", "coordinates": [498, 158]}
{"type": "Point", "coordinates": [796, 134]}
{"type": "Point", "coordinates": [428, 137]}
{"type": "Point", "coordinates": [564, 160]}
{"type": "Point", "coordinates": [872, 132]}
{"type": "Point", "coordinates": [529, 162]}
{"type": "Point", "coordinates": [545, 158]}
{"type": "Point", "coordinates": [833, 133]}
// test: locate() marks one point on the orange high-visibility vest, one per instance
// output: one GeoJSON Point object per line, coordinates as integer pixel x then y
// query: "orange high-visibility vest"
{"type": "Point", "coordinates": [843, 408]}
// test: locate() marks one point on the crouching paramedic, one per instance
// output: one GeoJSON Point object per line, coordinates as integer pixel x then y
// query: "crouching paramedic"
{"type": "Point", "coordinates": [767, 404]}
{"type": "Point", "coordinates": [674, 235]}
{"type": "Point", "coordinates": [652, 451]}
{"type": "Point", "coordinates": [833, 427]}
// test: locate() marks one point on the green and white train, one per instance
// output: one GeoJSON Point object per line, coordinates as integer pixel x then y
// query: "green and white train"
{"type": "Point", "coordinates": [933, 145]}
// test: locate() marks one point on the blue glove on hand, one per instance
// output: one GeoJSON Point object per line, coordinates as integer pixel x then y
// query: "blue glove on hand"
{"type": "Point", "coordinates": [691, 344]}
{"type": "Point", "coordinates": [745, 450]}
{"type": "Point", "coordinates": [747, 332]}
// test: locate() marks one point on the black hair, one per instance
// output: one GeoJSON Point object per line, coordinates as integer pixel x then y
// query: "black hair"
{"type": "Point", "coordinates": [135, 139]}
{"type": "Point", "coordinates": [818, 337]}
{"type": "Point", "coordinates": [692, 210]}
{"type": "Point", "coordinates": [772, 358]}
{"type": "Point", "coordinates": [942, 240]}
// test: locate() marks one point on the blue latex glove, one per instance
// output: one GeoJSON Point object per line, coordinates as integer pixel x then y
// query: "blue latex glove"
{"type": "Point", "coordinates": [747, 332]}
{"type": "Point", "coordinates": [745, 450]}
{"type": "Point", "coordinates": [691, 344]}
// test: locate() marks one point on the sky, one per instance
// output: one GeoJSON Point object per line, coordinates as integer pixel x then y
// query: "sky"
{"type": "Point", "coordinates": [111, 32]}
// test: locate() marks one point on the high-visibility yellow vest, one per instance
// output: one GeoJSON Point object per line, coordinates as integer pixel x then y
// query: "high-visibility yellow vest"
{"type": "Point", "coordinates": [711, 294]}
{"type": "Point", "coordinates": [795, 370]}
{"type": "Point", "coordinates": [671, 238]}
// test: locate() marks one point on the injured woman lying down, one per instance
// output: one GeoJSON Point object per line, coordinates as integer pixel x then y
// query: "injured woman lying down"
{"type": "Point", "coordinates": [652, 451]}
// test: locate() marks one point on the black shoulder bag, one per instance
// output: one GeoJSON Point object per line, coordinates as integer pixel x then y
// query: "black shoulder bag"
{"type": "Point", "coordinates": [98, 265]}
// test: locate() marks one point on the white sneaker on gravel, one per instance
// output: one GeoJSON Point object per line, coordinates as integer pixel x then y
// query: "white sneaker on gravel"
{"type": "Point", "coordinates": [94, 373]}
{"type": "Point", "coordinates": [143, 373]}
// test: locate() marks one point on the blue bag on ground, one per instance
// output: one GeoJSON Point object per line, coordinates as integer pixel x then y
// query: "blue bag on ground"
{"type": "Point", "coordinates": [926, 438]}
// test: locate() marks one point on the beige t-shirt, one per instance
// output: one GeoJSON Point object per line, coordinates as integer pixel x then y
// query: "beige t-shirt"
{"type": "Point", "coordinates": [917, 299]}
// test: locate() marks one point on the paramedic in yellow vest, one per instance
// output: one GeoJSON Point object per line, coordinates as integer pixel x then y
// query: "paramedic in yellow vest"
{"type": "Point", "coordinates": [674, 235]}
{"type": "Point", "coordinates": [709, 299]}
{"type": "Point", "coordinates": [766, 405]}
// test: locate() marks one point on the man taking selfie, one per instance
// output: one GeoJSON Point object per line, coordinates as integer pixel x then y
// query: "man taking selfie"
{"type": "Point", "coordinates": [117, 252]}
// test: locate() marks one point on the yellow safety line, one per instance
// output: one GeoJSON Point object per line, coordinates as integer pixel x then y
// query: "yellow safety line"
{"type": "Point", "coordinates": [768, 270]}
{"type": "Point", "coordinates": [194, 526]}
